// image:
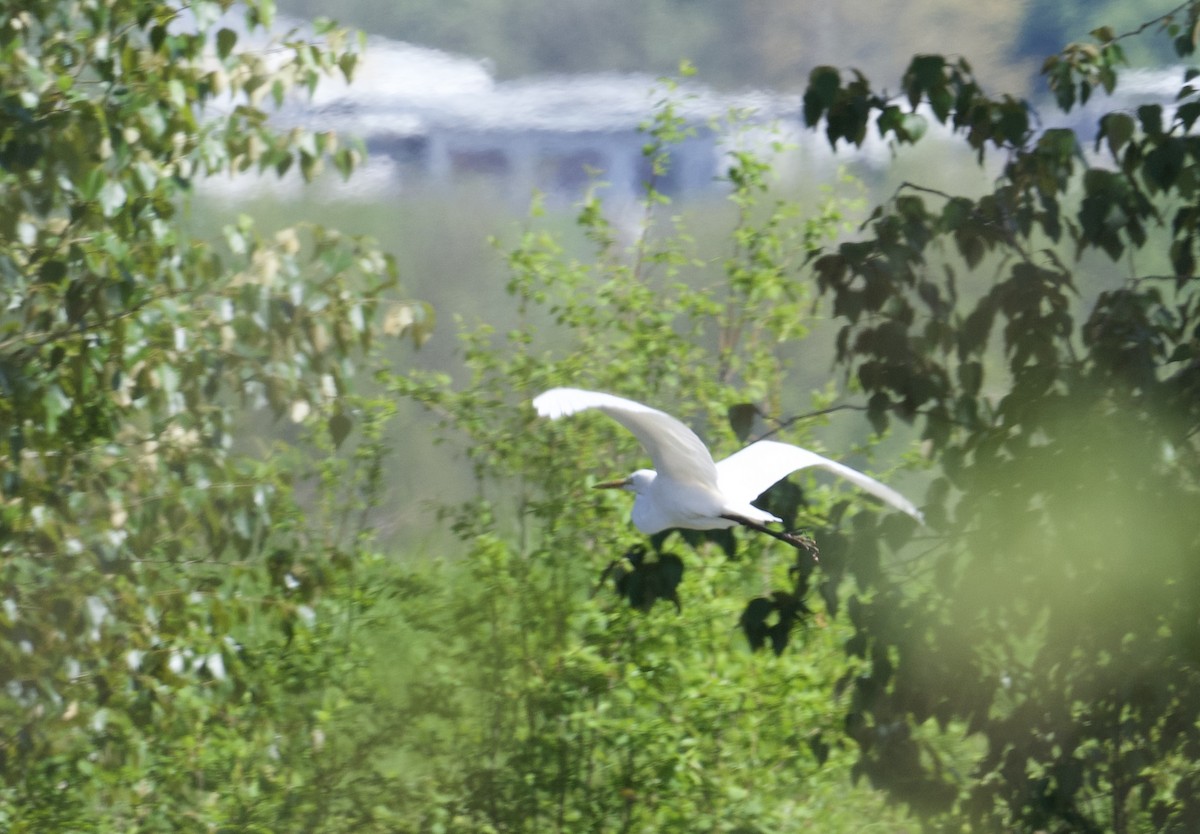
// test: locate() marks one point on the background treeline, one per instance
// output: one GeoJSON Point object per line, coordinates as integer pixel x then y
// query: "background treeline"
{"type": "Point", "coordinates": [772, 43]}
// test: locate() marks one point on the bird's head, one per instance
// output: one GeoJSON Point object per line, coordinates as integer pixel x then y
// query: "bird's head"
{"type": "Point", "coordinates": [636, 483]}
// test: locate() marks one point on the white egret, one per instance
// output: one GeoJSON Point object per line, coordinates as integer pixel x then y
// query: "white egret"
{"type": "Point", "coordinates": [686, 488]}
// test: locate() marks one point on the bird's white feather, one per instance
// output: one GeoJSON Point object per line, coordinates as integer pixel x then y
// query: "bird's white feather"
{"type": "Point", "coordinates": [678, 454]}
{"type": "Point", "coordinates": [745, 475]}
{"type": "Point", "coordinates": [689, 490]}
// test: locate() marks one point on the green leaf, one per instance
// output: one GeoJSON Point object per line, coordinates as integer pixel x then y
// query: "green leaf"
{"type": "Point", "coordinates": [970, 246]}
{"type": "Point", "coordinates": [1014, 122]}
{"type": "Point", "coordinates": [741, 419]}
{"type": "Point", "coordinates": [941, 101]}
{"type": "Point", "coordinates": [340, 426]}
{"type": "Point", "coordinates": [1187, 114]}
{"type": "Point", "coordinates": [1061, 143]}
{"type": "Point", "coordinates": [1183, 259]}
{"type": "Point", "coordinates": [754, 622]}
{"type": "Point", "coordinates": [1117, 129]}
{"type": "Point", "coordinates": [226, 40]}
{"type": "Point", "coordinates": [643, 580]}
{"type": "Point", "coordinates": [878, 409]}
{"type": "Point", "coordinates": [1151, 117]}
{"type": "Point", "coordinates": [926, 79]}
{"type": "Point", "coordinates": [820, 749]}
{"type": "Point", "coordinates": [823, 85]}
{"type": "Point", "coordinates": [914, 126]}
{"type": "Point", "coordinates": [970, 377]}
{"type": "Point", "coordinates": [1163, 164]}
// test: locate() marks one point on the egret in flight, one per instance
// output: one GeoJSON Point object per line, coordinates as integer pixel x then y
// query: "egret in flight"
{"type": "Point", "coordinates": [686, 488]}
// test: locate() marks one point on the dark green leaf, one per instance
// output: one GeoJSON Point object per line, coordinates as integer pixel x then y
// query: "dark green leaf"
{"type": "Point", "coordinates": [226, 39]}
{"type": "Point", "coordinates": [741, 419]}
{"type": "Point", "coordinates": [1163, 165]}
{"type": "Point", "coordinates": [925, 78]}
{"type": "Point", "coordinates": [820, 749]}
{"type": "Point", "coordinates": [643, 580]}
{"type": "Point", "coordinates": [1151, 117]}
{"type": "Point", "coordinates": [1117, 129]}
{"type": "Point", "coordinates": [823, 85]}
{"type": "Point", "coordinates": [1187, 113]}
{"type": "Point", "coordinates": [340, 426]}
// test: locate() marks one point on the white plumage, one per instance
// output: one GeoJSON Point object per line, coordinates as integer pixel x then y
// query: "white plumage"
{"type": "Point", "coordinates": [686, 488]}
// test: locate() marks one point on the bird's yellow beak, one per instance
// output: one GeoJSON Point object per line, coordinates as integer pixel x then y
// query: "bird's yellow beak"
{"type": "Point", "coordinates": [621, 484]}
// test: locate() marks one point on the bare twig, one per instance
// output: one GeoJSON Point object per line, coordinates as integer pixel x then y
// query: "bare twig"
{"type": "Point", "coordinates": [780, 425]}
{"type": "Point", "coordinates": [1162, 18]}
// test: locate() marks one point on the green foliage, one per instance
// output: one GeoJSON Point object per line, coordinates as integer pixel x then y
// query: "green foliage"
{"type": "Point", "coordinates": [639, 705]}
{"type": "Point", "coordinates": [174, 591]}
{"type": "Point", "coordinates": [1055, 619]}
{"type": "Point", "coordinates": [1048, 25]}
{"type": "Point", "coordinates": [197, 636]}
{"type": "Point", "coordinates": [196, 633]}
{"type": "Point", "coordinates": [538, 709]}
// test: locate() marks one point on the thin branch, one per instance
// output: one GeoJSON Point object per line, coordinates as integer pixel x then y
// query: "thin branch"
{"type": "Point", "coordinates": [780, 425]}
{"type": "Point", "coordinates": [912, 186]}
{"type": "Point", "coordinates": [41, 338]}
{"type": "Point", "coordinates": [1163, 18]}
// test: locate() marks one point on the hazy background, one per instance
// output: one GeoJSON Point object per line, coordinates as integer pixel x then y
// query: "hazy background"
{"type": "Point", "coordinates": [449, 237]}
{"type": "Point", "coordinates": [759, 43]}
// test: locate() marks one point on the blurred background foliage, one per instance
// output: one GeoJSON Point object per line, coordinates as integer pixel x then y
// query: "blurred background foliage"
{"type": "Point", "coordinates": [771, 43]}
{"type": "Point", "coordinates": [235, 598]}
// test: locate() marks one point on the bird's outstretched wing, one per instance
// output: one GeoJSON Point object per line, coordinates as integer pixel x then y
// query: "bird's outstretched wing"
{"type": "Point", "coordinates": [745, 475]}
{"type": "Point", "coordinates": [677, 452]}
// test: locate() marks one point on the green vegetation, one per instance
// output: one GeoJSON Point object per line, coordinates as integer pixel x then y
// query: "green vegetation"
{"type": "Point", "coordinates": [170, 585]}
{"type": "Point", "coordinates": [211, 620]}
{"type": "Point", "coordinates": [1057, 620]}
{"type": "Point", "coordinates": [584, 713]}
{"type": "Point", "coordinates": [1048, 24]}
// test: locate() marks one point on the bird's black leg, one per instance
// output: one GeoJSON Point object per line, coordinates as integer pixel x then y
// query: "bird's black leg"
{"type": "Point", "coordinates": [799, 542]}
